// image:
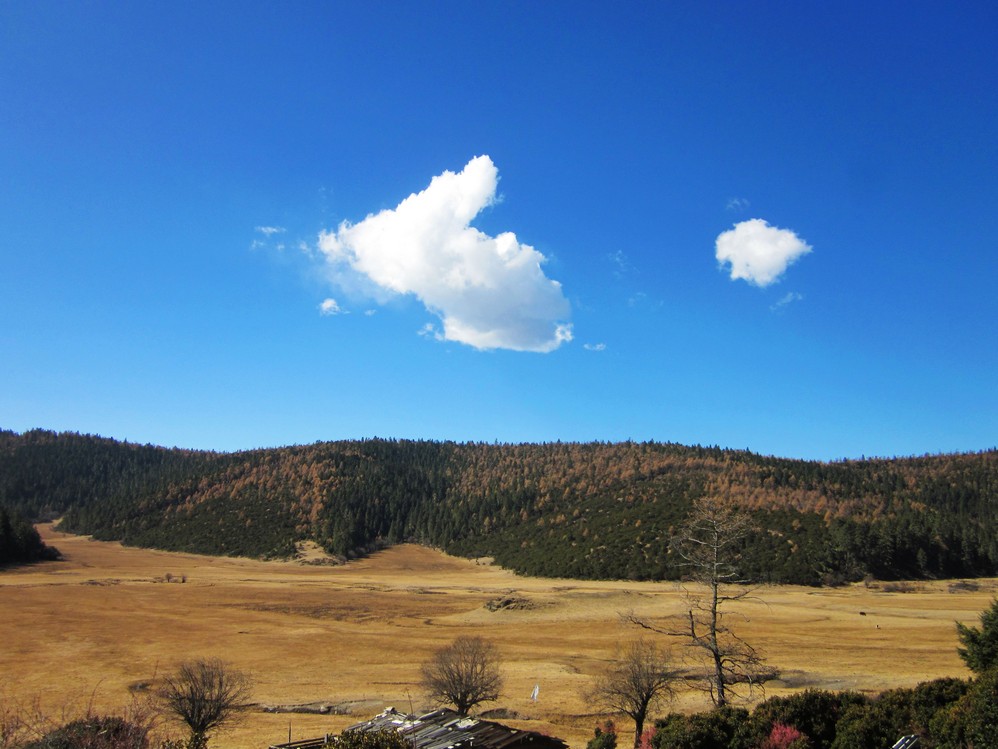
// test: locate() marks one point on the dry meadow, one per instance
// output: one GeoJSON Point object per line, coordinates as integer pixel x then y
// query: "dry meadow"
{"type": "Point", "coordinates": [103, 624]}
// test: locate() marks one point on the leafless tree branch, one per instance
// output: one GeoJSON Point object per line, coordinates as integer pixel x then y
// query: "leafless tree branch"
{"type": "Point", "coordinates": [708, 544]}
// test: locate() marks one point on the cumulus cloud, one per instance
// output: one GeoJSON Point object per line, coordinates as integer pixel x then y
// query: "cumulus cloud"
{"type": "Point", "coordinates": [330, 307]}
{"type": "Point", "coordinates": [489, 292]}
{"type": "Point", "coordinates": [594, 346]}
{"type": "Point", "coordinates": [757, 252]}
{"type": "Point", "coordinates": [737, 204]}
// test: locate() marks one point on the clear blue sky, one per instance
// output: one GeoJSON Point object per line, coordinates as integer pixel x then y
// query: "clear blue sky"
{"type": "Point", "coordinates": [758, 225]}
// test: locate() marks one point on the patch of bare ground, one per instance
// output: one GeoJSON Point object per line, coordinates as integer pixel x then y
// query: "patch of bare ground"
{"type": "Point", "coordinates": [309, 552]}
{"type": "Point", "coordinates": [352, 637]}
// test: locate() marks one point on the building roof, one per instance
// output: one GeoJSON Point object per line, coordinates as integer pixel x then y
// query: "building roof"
{"type": "Point", "coordinates": [446, 729]}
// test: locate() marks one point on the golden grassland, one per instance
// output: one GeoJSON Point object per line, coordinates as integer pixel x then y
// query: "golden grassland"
{"type": "Point", "coordinates": [104, 621]}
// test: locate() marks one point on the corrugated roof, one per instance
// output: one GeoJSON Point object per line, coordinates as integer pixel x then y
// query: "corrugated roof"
{"type": "Point", "coordinates": [446, 729]}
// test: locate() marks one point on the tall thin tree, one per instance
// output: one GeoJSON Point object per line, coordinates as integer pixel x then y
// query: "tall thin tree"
{"type": "Point", "coordinates": [708, 546]}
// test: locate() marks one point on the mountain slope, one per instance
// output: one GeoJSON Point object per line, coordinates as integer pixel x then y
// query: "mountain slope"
{"type": "Point", "coordinates": [592, 510]}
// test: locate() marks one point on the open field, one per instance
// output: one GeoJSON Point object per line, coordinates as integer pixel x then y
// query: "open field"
{"type": "Point", "coordinates": [104, 620]}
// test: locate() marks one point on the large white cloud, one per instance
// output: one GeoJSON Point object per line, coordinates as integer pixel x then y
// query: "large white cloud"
{"type": "Point", "coordinates": [759, 253]}
{"type": "Point", "coordinates": [489, 292]}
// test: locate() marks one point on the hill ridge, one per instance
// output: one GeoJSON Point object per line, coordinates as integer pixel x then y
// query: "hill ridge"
{"type": "Point", "coordinates": [585, 510]}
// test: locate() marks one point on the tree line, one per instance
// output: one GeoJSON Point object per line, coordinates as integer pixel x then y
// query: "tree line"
{"type": "Point", "coordinates": [593, 510]}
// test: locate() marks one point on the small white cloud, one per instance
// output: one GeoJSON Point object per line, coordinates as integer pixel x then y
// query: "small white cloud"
{"type": "Point", "coordinates": [266, 240]}
{"type": "Point", "coordinates": [594, 346]}
{"type": "Point", "coordinates": [641, 301]}
{"type": "Point", "coordinates": [620, 262]}
{"type": "Point", "coordinates": [737, 204]}
{"type": "Point", "coordinates": [489, 292]}
{"type": "Point", "coordinates": [430, 331]}
{"type": "Point", "coordinates": [789, 298]}
{"type": "Point", "coordinates": [330, 307]}
{"type": "Point", "coordinates": [757, 252]}
{"type": "Point", "coordinates": [269, 231]}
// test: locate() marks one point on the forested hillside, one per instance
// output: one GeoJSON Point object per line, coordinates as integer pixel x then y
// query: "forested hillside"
{"type": "Point", "coordinates": [20, 542]}
{"type": "Point", "coordinates": [579, 510]}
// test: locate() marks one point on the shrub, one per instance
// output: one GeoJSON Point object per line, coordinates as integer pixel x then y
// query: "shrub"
{"type": "Point", "coordinates": [713, 730]}
{"type": "Point", "coordinates": [604, 737]}
{"type": "Point", "coordinates": [205, 695]}
{"type": "Point", "coordinates": [785, 737]}
{"type": "Point", "coordinates": [385, 738]}
{"type": "Point", "coordinates": [12, 723]}
{"type": "Point", "coordinates": [95, 732]}
{"type": "Point", "coordinates": [896, 713]}
{"type": "Point", "coordinates": [813, 712]}
{"type": "Point", "coordinates": [971, 721]}
{"type": "Point", "coordinates": [646, 739]}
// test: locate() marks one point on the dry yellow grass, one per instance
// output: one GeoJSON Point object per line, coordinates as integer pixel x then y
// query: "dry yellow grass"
{"type": "Point", "coordinates": [104, 619]}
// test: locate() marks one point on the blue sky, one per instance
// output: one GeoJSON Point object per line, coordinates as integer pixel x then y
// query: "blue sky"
{"type": "Point", "coordinates": [208, 238]}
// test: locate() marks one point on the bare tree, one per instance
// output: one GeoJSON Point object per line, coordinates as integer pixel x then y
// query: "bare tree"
{"type": "Point", "coordinates": [637, 682]}
{"type": "Point", "coordinates": [204, 695]}
{"type": "Point", "coordinates": [708, 545]}
{"type": "Point", "coordinates": [464, 674]}
{"type": "Point", "coordinates": [13, 726]}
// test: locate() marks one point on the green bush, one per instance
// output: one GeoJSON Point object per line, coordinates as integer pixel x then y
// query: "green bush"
{"type": "Point", "coordinates": [604, 737]}
{"type": "Point", "coordinates": [713, 730]}
{"type": "Point", "coordinates": [899, 712]}
{"type": "Point", "coordinates": [813, 712]}
{"type": "Point", "coordinates": [971, 721]}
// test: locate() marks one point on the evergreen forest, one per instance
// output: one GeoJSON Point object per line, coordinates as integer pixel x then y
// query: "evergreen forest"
{"type": "Point", "coordinates": [20, 542]}
{"type": "Point", "coordinates": [593, 510]}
